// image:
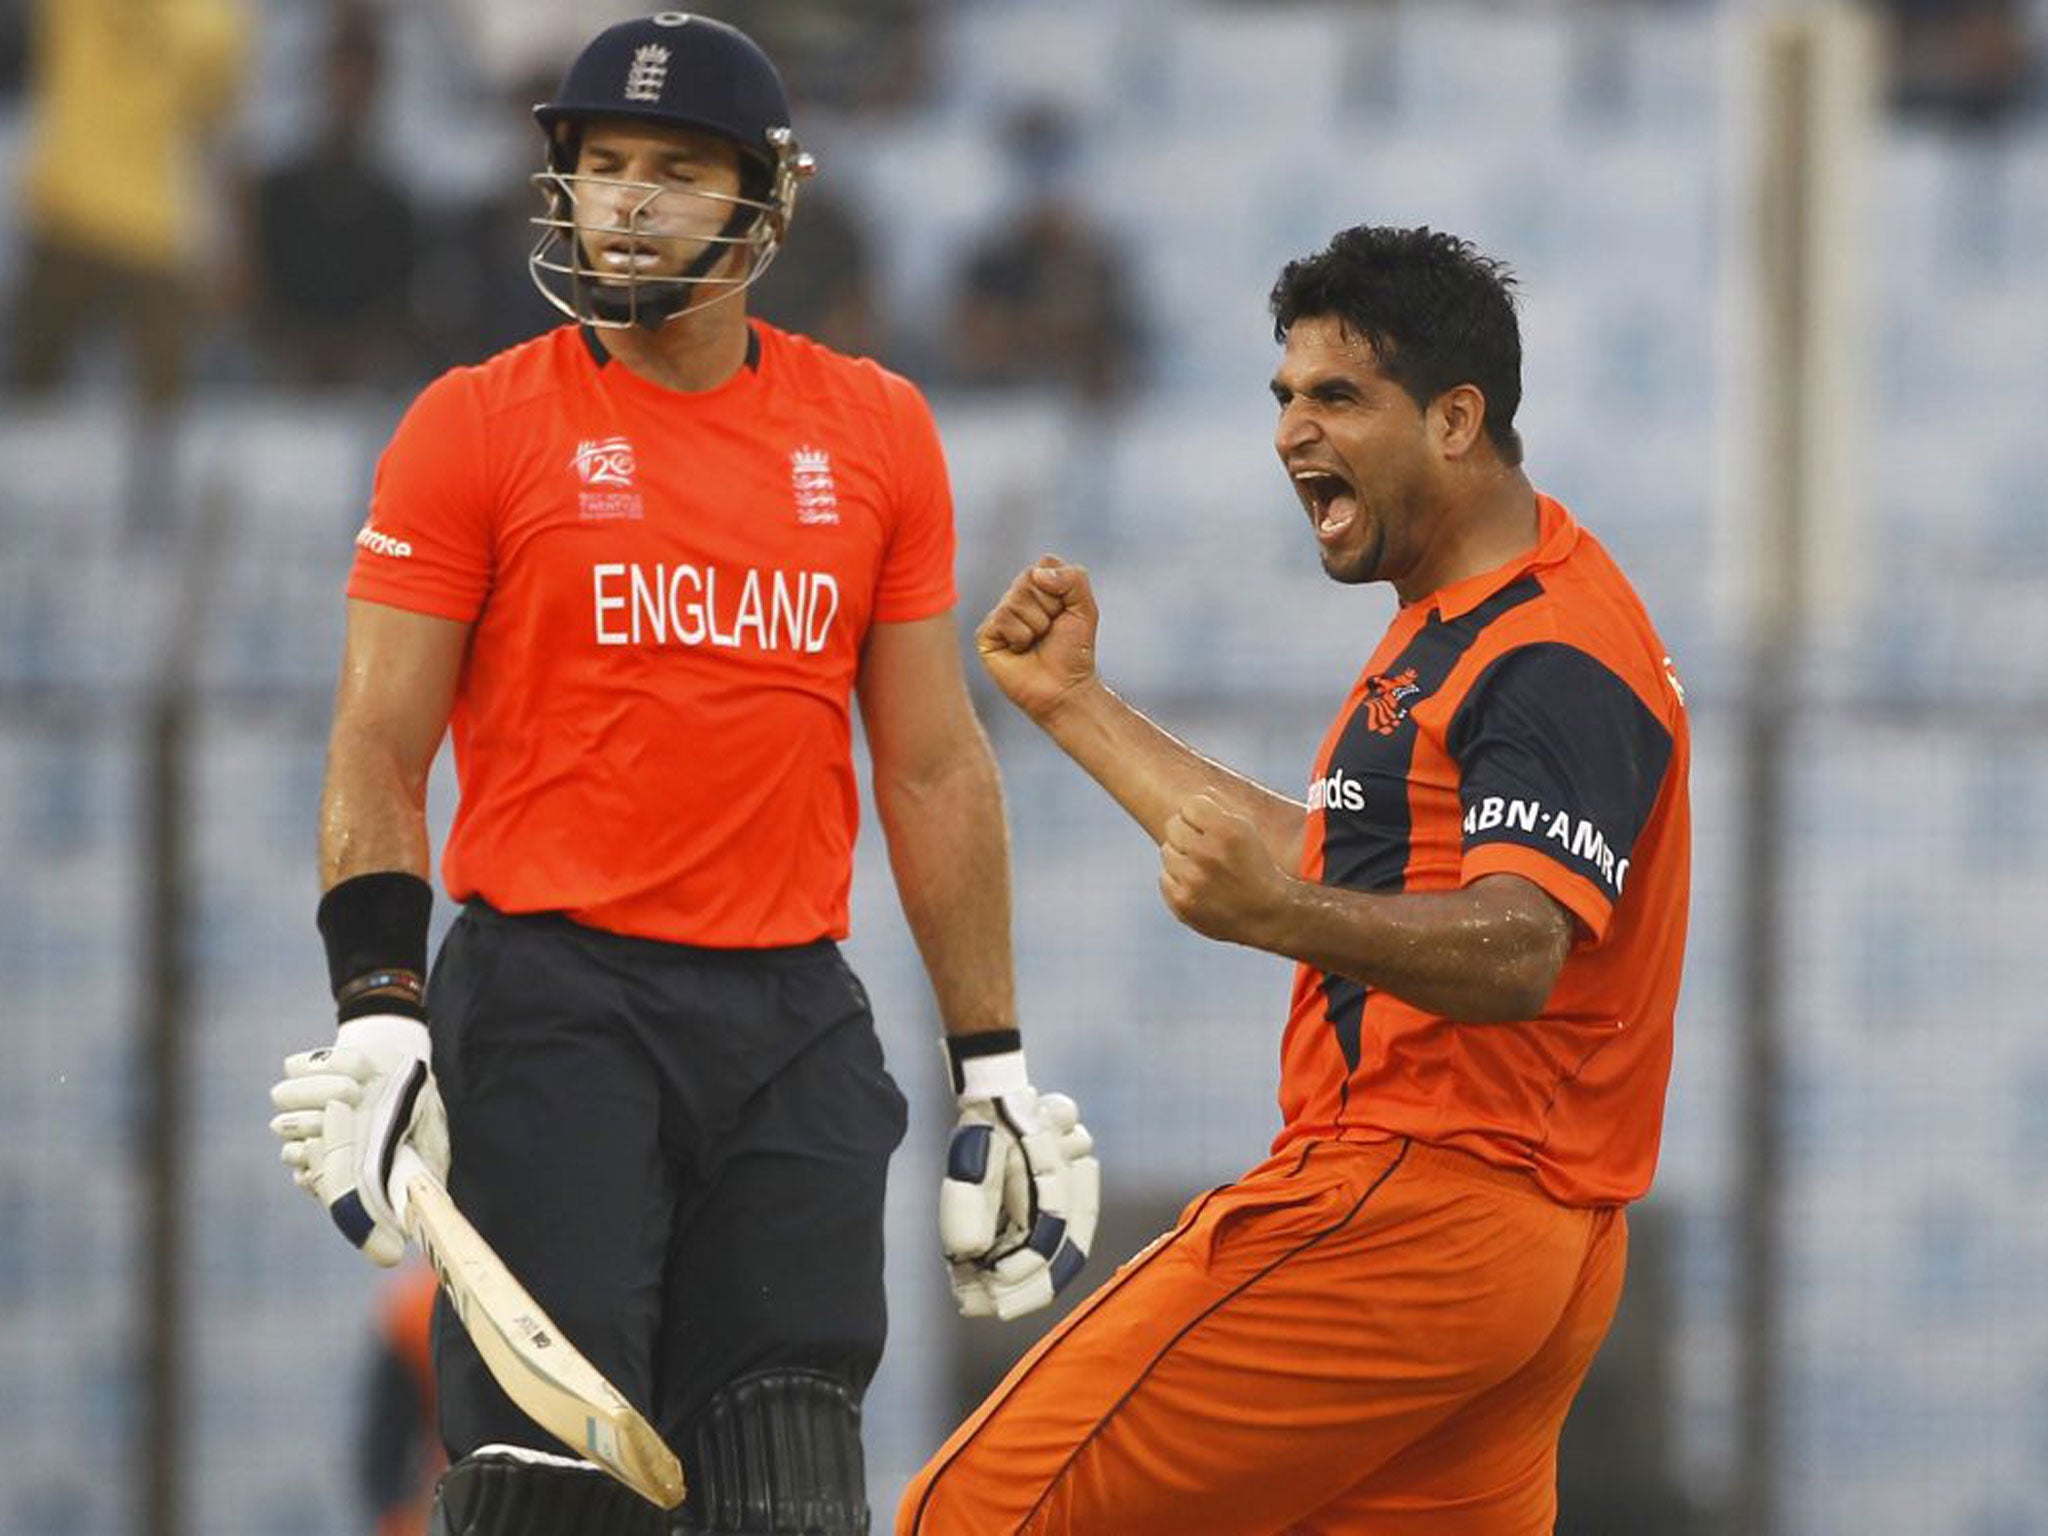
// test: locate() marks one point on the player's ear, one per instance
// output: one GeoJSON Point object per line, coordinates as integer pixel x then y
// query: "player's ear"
{"type": "Point", "coordinates": [1457, 419]}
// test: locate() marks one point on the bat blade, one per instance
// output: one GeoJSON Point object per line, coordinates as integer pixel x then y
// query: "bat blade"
{"type": "Point", "coordinates": [538, 1368]}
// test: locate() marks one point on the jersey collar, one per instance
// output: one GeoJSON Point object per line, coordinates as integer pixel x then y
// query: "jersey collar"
{"type": "Point", "coordinates": [604, 359]}
{"type": "Point", "coordinates": [1557, 534]}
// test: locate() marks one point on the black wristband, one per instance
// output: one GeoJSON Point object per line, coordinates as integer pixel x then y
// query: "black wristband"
{"type": "Point", "coordinates": [386, 991]}
{"type": "Point", "coordinates": [994, 1042]}
{"type": "Point", "coordinates": [375, 923]}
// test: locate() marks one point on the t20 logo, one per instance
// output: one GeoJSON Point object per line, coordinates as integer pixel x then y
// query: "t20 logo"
{"type": "Point", "coordinates": [604, 462]}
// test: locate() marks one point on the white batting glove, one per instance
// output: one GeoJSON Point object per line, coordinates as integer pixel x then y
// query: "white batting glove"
{"type": "Point", "coordinates": [345, 1110]}
{"type": "Point", "coordinates": [1018, 1204]}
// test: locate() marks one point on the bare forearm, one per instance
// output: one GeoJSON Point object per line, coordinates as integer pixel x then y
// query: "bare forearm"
{"type": "Point", "coordinates": [373, 815]}
{"type": "Point", "coordinates": [1151, 773]}
{"type": "Point", "coordinates": [391, 708]}
{"type": "Point", "coordinates": [1483, 954]}
{"type": "Point", "coordinates": [950, 854]}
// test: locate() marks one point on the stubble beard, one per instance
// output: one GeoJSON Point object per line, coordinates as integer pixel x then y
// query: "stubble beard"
{"type": "Point", "coordinates": [1357, 568]}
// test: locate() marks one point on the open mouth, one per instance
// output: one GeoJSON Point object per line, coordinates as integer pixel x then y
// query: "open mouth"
{"type": "Point", "coordinates": [1330, 500]}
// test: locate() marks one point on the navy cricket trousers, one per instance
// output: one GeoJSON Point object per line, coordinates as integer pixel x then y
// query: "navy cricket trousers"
{"type": "Point", "coordinates": [680, 1152]}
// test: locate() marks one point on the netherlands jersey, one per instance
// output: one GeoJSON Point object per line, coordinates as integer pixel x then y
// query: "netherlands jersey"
{"type": "Point", "coordinates": [668, 595]}
{"type": "Point", "coordinates": [1525, 721]}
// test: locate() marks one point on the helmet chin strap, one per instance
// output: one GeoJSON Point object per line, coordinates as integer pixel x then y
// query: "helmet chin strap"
{"type": "Point", "coordinates": [622, 306]}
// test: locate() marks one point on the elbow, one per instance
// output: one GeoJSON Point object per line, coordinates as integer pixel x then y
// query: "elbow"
{"type": "Point", "coordinates": [1517, 998]}
{"type": "Point", "coordinates": [904, 794]}
{"type": "Point", "coordinates": [1523, 949]}
{"type": "Point", "coordinates": [1521, 988]}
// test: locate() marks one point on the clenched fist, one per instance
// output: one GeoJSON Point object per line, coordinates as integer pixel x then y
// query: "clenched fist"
{"type": "Point", "coordinates": [1038, 642]}
{"type": "Point", "coordinates": [1218, 877]}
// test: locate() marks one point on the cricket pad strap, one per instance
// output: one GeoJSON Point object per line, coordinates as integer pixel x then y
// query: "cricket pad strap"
{"type": "Point", "coordinates": [777, 1453]}
{"type": "Point", "coordinates": [505, 1490]}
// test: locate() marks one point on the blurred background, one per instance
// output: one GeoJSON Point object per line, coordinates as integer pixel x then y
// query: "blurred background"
{"type": "Point", "coordinates": [1787, 354]}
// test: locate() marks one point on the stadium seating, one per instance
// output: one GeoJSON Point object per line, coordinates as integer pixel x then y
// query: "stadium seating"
{"type": "Point", "coordinates": [1220, 140]}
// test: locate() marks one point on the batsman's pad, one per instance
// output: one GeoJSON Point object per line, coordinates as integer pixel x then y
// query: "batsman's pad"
{"type": "Point", "coordinates": [508, 1490]}
{"type": "Point", "coordinates": [777, 1453]}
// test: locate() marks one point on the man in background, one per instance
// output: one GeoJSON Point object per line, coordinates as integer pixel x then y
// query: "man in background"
{"type": "Point", "coordinates": [398, 1448]}
{"type": "Point", "coordinates": [114, 197]}
{"type": "Point", "coordinates": [334, 242]}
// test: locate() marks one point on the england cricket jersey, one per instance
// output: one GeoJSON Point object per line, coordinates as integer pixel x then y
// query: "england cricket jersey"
{"type": "Point", "coordinates": [669, 593]}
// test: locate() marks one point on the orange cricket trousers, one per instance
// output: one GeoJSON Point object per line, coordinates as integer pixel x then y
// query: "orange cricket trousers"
{"type": "Point", "coordinates": [1356, 1337]}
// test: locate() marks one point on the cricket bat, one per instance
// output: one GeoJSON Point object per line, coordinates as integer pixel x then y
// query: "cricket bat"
{"type": "Point", "coordinates": [538, 1368]}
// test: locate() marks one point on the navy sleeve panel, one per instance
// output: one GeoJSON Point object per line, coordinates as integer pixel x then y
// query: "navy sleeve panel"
{"type": "Point", "coordinates": [1556, 754]}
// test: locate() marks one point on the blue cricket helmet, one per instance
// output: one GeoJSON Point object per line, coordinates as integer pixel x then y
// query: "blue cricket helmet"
{"type": "Point", "coordinates": [675, 68]}
{"type": "Point", "coordinates": [684, 71]}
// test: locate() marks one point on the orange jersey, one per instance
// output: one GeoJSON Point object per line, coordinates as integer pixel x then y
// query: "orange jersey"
{"type": "Point", "coordinates": [1524, 721]}
{"type": "Point", "coordinates": [669, 594]}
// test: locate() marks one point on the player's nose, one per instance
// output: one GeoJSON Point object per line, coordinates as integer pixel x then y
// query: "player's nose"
{"type": "Point", "coordinates": [1296, 429]}
{"type": "Point", "coordinates": [617, 204]}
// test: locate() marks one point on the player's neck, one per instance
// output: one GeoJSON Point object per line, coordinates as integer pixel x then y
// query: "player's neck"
{"type": "Point", "coordinates": [1503, 522]}
{"type": "Point", "coordinates": [1495, 522]}
{"type": "Point", "coordinates": [697, 350]}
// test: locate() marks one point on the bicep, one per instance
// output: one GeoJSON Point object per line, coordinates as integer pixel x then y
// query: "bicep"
{"type": "Point", "coordinates": [1516, 905]}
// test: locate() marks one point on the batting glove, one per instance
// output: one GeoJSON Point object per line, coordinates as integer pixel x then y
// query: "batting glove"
{"type": "Point", "coordinates": [345, 1110]}
{"type": "Point", "coordinates": [1018, 1204]}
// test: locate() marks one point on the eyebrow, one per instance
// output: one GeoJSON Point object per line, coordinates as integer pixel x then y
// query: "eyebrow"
{"type": "Point", "coordinates": [1323, 386]}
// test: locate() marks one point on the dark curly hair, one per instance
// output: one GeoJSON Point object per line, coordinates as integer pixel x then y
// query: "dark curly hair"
{"type": "Point", "coordinates": [1437, 312]}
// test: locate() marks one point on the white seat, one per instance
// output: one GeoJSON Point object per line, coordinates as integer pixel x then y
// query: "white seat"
{"type": "Point", "coordinates": [1071, 54]}
{"type": "Point", "coordinates": [1246, 66]}
{"type": "Point", "coordinates": [1481, 73]}
{"type": "Point", "coordinates": [63, 474]}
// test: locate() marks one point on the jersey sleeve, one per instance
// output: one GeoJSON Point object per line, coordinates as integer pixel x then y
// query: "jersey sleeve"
{"type": "Point", "coordinates": [1560, 765]}
{"type": "Point", "coordinates": [916, 580]}
{"type": "Point", "coordinates": [427, 546]}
